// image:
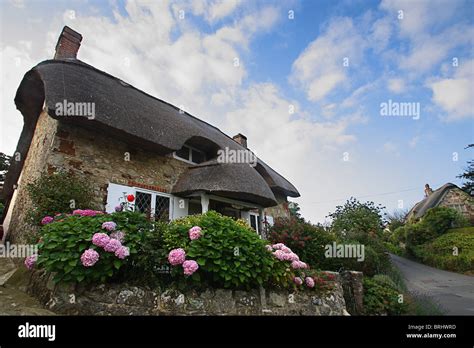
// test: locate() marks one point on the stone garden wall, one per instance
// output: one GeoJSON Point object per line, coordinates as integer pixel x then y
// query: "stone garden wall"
{"type": "Point", "coordinates": [123, 299]}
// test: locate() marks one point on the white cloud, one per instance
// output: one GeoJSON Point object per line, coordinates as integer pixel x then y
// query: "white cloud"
{"type": "Point", "coordinates": [319, 68]}
{"type": "Point", "coordinates": [454, 95]}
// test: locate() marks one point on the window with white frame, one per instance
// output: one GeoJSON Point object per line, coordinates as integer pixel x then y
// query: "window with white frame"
{"type": "Point", "coordinates": [154, 204]}
{"type": "Point", "coordinates": [255, 222]}
{"type": "Point", "coordinates": [190, 154]}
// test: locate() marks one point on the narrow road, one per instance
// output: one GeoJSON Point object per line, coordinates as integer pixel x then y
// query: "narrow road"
{"type": "Point", "coordinates": [453, 291]}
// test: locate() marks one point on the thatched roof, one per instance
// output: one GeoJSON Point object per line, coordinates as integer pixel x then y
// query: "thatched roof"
{"type": "Point", "coordinates": [431, 201]}
{"type": "Point", "coordinates": [125, 111]}
{"type": "Point", "coordinates": [239, 181]}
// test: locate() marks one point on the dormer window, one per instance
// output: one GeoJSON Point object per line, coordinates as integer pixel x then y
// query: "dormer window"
{"type": "Point", "coordinates": [190, 154]}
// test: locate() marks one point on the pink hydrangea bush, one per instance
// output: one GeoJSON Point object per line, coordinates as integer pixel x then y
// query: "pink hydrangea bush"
{"type": "Point", "coordinates": [194, 232]}
{"type": "Point", "coordinates": [100, 239]}
{"type": "Point", "coordinates": [112, 245]}
{"type": "Point", "coordinates": [297, 280]}
{"type": "Point", "coordinates": [122, 252]}
{"type": "Point", "coordinates": [89, 257]}
{"type": "Point", "coordinates": [119, 235]}
{"type": "Point", "coordinates": [109, 226]}
{"type": "Point", "coordinates": [189, 267]}
{"type": "Point", "coordinates": [87, 212]}
{"type": "Point", "coordinates": [176, 256]}
{"type": "Point", "coordinates": [47, 220]}
{"type": "Point", "coordinates": [309, 282]}
{"type": "Point", "coordinates": [30, 261]}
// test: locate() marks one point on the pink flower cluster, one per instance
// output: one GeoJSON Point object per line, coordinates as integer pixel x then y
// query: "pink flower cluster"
{"type": "Point", "coordinates": [119, 235]}
{"type": "Point", "coordinates": [297, 280]}
{"type": "Point", "coordinates": [308, 281]}
{"type": "Point", "coordinates": [283, 253]}
{"type": "Point", "coordinates": [109, 225]}
{"type": "Point", "coordinates": [178, 257]}
{"type": "Point", "coordinates": [195, 232]}
{"type": "Point", "coordinates": [100, 239]}
{"type": "Point", "coordinates": [30, 261]}
{"type": "Point", "coordinates": [112, 243]}
{"type": "Point", "coordinates": [89, 257]}
{"type": "Point", "coordinates": [47, 220]}
{"type": "Point", "coordinates": [190, 266]}
{"type": "Point", "coordinates": [87, 212]}
{"type": "Point", "coordinates": [296, 264]}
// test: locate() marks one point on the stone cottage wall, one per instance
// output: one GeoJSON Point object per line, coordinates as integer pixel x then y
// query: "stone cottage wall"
{"type": "Point", "coordinates": [457, 196]}
{"type": "Point", "coordinates": [281, 210]}
{"type": "Point", "coordinates": [102, 159]}
{"type": "Point", "coordinates": [41, 145]}
{"type": "Point", "coordinates": [123, 299]}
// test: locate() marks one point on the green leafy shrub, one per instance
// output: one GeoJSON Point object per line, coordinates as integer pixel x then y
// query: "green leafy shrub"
{"type": "Point", "coordinates": [58, 193]}
{"type": "Point", "coordinates": [381, 297]}
{"type": "Point", "coordinates": [149, 265]}
{"type": "Point", "coordinates": [439, 219]}
{"type": "Point", "coordinates": [64, 241]}
{"type": "Point", "coordinates": [228, 253]}
{"type": "Point", "coordinates": [453, 251]}
{"type": "Point", "coordinates": [435, 223]}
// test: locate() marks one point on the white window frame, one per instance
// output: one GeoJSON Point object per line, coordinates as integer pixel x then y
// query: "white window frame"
{"type": "Point", "coordinates": [153, 200]}
{"type": "Point", "coordinates": [190, 148]}
{"type": "Point", "coordinates": [257, 229]}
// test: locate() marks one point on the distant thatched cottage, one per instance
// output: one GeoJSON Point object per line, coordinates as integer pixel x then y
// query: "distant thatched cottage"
{"type": "Point", "coordinates": [448, 195]}
{"type": "Point", "coordinates": [173, 169]}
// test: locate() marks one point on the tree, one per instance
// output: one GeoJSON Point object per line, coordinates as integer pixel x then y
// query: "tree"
{"type": "Point", "coordinates": [5, 161]}
{"type": "Point", "coordinates": [356, 220]}
{"type": "Point", "coordinates": [468, 175]}
{"type": "Point", "coordinates": [396, 219]}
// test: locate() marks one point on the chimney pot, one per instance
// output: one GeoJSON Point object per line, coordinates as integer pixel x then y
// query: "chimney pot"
{"type": "Point", "coordinates": [68, 44]}
{"type": "Point", "coordinates": [241, 139]}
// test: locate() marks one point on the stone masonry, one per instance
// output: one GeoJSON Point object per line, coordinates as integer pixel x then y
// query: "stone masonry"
{"type": "Point", "coordinates": [126, 299]}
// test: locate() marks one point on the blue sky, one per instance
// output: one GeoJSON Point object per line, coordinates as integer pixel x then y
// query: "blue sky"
{"type": "Point", "coordinates": [284, 62]}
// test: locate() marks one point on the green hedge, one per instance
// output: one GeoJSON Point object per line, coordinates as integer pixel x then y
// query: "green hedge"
{"type": "Point", "coordinates": [440, 252]}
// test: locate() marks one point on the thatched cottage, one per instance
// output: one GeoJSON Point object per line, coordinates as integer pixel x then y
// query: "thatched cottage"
{"type": "Point", "coordinates": [83, 120]}
{"type": "Point", "coordinates": [449, 195]}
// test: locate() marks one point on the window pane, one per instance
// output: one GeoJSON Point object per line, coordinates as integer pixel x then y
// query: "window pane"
{"type": "Point", "coordinates": [143, 202]}
{"type": "Point", "coordinates": [194, 208]}
{"type": "Point", "coordinates": [253, 221]}
{"type": "Point", "coordinates": [183, 153]}
{"type": "Point", "coordinates": [162, 208]}
{"type": "Point", "coordinates": [198, 156]}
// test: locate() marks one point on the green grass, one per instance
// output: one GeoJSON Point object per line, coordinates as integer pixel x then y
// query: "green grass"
{"type": "Point", "coordinates": [440, 253]}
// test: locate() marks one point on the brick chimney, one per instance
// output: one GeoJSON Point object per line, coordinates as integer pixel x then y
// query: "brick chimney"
{"type": "Point", "coordinates": [241, 139]}
{"type": "Point", "coordinates": [68, 44]}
